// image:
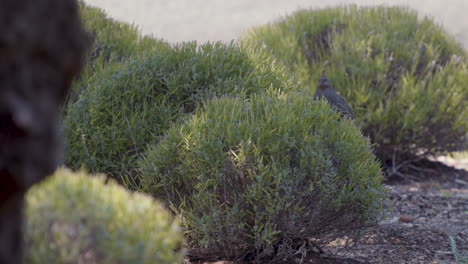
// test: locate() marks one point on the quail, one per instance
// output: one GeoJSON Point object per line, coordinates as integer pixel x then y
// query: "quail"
{"type": "Point", "coordinates": [325, 90]}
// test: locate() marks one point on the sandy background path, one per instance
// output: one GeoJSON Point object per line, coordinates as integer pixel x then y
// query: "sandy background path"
{"type": "Point", "coordinates": [211, 20]}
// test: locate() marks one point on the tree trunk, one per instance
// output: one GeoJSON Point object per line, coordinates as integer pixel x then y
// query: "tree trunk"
{"type": "Point", "coordinates": [42, 44]}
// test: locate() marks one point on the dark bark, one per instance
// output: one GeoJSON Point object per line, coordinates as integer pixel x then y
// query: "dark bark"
{"type": "Point", "coordinates": [42, 44]}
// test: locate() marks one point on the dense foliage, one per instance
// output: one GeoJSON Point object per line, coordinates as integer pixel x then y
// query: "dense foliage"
{"type": "Point", "coordinates": [405, 78]}
{"type": "Point", "coordinates": [256, 177]}
{"type": "Point", "coordinates": [126, 108]}
{"type": "Point", "coordinates": [77, 218]}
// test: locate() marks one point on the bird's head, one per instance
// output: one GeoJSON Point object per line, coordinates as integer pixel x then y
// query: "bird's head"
{"type": "Point", "coordinates": [324, 82]}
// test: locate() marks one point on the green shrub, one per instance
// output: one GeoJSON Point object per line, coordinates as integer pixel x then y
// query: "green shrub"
{"type": "Point", "coordinates": [75, 218]}
{"type": "Point", "coordinates": [112, 42]}
{"type": "Point", "coordinates": [258, 177]}
{"type": "Point", "coordinates": [405, 78]}
{"type": "Point", "coordinates": [112, 122]}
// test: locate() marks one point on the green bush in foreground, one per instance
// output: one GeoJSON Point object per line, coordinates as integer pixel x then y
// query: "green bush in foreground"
{"type": "Point", "coordinates": [112, 122]}
{"type": "Point", "coordinates": [75, 218]}
{"type": "Point", "coordinates": [405, 78]}
{"type": "Point", "coordinates": [258, 177]}
{"type": "Point", "coordinates": [112, 42]}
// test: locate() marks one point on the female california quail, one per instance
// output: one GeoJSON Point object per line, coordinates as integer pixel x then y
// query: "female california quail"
{"type": "Point", "coordinates": [325, 90]}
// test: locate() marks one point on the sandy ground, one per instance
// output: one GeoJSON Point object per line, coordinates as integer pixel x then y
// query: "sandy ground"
{"type": "Point", "coordinates": [211, 20]}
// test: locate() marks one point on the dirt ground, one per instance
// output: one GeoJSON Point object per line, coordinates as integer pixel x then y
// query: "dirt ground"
{"type": "Point", "coordinates": [423, 214]}
{"type": "Point", "coordinates": [212, 20]}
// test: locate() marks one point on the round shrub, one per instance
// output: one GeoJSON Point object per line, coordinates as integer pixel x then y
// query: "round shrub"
{"type": "Point", "coordinates": [75, 218]}
{"type": "Point", "coordinates": [404, 77]}
{"type": "Point", "coordinates": [255, 178]}
{"type": "Point", "coordinates": [125, 109]}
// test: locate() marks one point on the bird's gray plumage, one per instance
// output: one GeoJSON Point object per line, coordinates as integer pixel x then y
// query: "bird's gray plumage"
{"type": "Point", "coordinates": [325, 90]}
